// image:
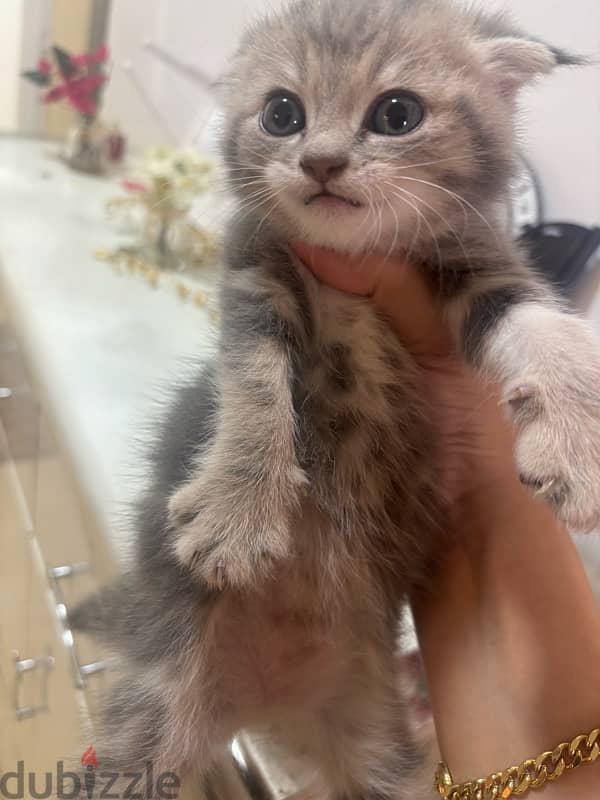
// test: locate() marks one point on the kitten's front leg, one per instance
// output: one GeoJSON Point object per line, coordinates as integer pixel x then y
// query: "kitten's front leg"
{"type": "Point", "coordinates": [232, 520]}
{"type": "Point", "coordinates": [548, 363]}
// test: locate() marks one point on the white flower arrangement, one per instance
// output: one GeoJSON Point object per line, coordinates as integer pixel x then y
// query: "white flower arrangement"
{"type": "Point", "coordinates": [174, 177]}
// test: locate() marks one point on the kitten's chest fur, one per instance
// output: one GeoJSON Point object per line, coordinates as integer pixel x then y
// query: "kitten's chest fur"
{"type": "Point", "coordinates": [364, 434]}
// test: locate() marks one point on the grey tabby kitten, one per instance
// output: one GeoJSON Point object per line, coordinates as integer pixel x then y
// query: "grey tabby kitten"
{"type": "Point", "coordinates": [295, 497]}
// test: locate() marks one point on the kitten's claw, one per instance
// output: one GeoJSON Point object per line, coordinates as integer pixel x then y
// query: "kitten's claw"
{"type": "Point", "coordinates": [553, 491]}
{"type": "Point", "coordinates": [556, 459]}
{"type": "Point", "coordinates": [220, 575]}
{"type": "Point", "coordinates": [211, 538]}
{"type": "Point", "coordinates": [519, 396]}
{"type": "Point", "coordinates": [219, 571]}
{"type": "Point", "coordinates": [195, 560]}
{"type": "Point", "coordinates": [545, 489]}
{"type": "Point", "coordinates": [523, 404]}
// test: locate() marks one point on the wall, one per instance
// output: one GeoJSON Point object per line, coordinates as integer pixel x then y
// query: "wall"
{"type": "Point", "coordinates": [560, 128]}
{"type": "Point", "coordinates": [69, 26]}
{"type": "Point", "coordinates": [155, 102]}
{"type": "Point", "coordinates": [37, 17]}
{"type": "Point", "coordinates": [11, 35]}
{"type": "Point", "coordinates": [561, 124]}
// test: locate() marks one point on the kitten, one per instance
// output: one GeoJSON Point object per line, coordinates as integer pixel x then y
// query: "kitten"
{"type": "Point", "coordinates": [295, 496]}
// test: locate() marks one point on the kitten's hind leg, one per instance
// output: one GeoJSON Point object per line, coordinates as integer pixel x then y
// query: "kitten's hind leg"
{"type": "Point", "coordinates": [139, 734]}
{"type": "Point", "coordinates": [367, 750]}
{"type": "Point", "coordinates": [130, 739]}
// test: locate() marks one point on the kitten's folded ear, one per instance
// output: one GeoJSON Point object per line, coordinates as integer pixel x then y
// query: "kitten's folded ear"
{"type": "Point", "coordinates": [514, 61]}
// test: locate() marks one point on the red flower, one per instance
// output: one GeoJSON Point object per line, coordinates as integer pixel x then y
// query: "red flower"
{"type": "Point", "coordinates": [131, 185]}
{"type": "Point", "coordinates": [98, 56]}
{"type": "Point", "coordinates": [44, 66]}
{"type": "Point", "coordinates": [79, 92]}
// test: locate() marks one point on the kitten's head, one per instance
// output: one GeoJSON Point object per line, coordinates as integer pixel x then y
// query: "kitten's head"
{"type": "Point", "coordinates": [364, 124]}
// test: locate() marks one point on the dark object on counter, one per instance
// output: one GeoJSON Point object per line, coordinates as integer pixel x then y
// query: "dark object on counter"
{"type": "Point", "coordinates": [562, 252]}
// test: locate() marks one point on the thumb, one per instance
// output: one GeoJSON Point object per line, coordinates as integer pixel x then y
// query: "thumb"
{"type": "Point", "coordinates": [394, 285]}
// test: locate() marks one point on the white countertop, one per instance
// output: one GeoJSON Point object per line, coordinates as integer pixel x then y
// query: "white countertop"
{"type": "Point", "coordinates": [102, 346]}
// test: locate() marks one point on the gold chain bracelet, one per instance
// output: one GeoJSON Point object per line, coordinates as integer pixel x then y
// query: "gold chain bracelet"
{"type": "Point", "coordinates": [532, 774]}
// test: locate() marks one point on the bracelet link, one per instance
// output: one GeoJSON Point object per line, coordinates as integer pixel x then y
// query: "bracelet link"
{"type": "Point", "coordinates": [531, 774]}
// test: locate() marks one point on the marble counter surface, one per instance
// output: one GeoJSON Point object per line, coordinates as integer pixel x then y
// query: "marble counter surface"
{"type": "Point", "coordinates": [103, 347]}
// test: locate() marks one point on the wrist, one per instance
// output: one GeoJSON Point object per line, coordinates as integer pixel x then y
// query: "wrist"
{"type": "Point", "coordinates": [512, 635]}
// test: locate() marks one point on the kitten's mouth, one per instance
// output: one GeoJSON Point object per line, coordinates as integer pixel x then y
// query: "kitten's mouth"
{"type": "Point", "coordinates": [331, 199]}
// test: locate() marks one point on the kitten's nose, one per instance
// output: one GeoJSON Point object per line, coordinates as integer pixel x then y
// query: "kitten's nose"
{"type": "Point", "coordinates": [325, 168]}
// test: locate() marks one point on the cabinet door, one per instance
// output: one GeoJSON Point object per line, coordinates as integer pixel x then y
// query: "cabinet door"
{"type": "Point", "coordinates": [19, 413]}
{"type": "Point", "coordinates": [74, 553]}
{"type": "Point", "coordinates": [67, 532]}
{"type": "Point", "coordinates": [9, 753]}
{"type": "Point", "coordinates": [44, 713]}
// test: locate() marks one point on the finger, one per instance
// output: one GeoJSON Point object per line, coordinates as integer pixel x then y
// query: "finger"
{"type": "Point", "coordinates": [395, 286]}
{"type": "Point", "coordinates": [352, 274]}
{"type": "Point", "coordinates": [406, 300]}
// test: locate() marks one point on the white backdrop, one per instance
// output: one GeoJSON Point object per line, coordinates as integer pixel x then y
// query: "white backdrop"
{"type": "Point", "coordinates": [561, 123]}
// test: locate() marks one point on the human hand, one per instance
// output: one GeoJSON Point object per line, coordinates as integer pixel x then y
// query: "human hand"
{"type": "Point", "coordinates": [510, 636]}
{"type": "Point", "coordinates": [476, 438]}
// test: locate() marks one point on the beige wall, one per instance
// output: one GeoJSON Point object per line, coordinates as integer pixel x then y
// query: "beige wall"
{"type": "Point", "coordinates": [70, 28]}
{"type": "Point", "coordinates": [11, 36]}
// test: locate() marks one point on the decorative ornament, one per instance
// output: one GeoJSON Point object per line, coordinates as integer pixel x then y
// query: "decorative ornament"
{"type": "Point", "coordinates": [171, 247]}
{"type": "Point", "coordinates": [78, 80]}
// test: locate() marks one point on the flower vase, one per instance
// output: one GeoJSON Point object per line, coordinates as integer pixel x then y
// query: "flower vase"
{"type": "Point", "coordinates": [85, 148]}
{"type": "Point", "coordinates": [158, 236]}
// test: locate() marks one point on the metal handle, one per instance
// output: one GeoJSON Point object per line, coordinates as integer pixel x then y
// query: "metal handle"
{"type": "Point", "coordinates": [23, 666]}
{"type": "Point", "coordinates": [6, 392]}
{"type": "Point", "coordinates": [81, 672]}
{"type": "Point", "coordinates": [257, 769]}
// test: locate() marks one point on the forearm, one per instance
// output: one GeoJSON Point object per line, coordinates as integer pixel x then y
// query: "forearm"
{"type": "Point", "coordinates": [512, 643]}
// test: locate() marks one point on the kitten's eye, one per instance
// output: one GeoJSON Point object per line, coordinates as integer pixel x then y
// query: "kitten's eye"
{"type": "Point", "coordinates": [396, 114]}
{"type": "Point", "coordinates": [283, 115]}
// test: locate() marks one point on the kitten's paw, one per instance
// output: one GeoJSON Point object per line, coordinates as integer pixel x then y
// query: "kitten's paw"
{"type": "Point", "coordinates": [558, 448]}
{"type": "Point", "coordinates": [225, 542]}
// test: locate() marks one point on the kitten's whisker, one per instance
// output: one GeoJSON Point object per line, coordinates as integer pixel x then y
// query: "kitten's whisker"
{"type": "Point", "coordinates": [448, 225]}
{"type": "Point", "coordinates": [458, 198]}
{"type": "Point", "coordinates": [379, 220]}
{"type": "Point", "coordinates": [249, 184]}
{"type": "Point", "coordinates": [400, 174]}
{"type": "Point", "coordinates": [414, 240]}
{"type": "Point", "coordinates": [267, 215]}
{"type": "Point", "coordinates": [397, 224]}
{"type": "Point", "coordinates": [255, 204]}
{"type": "Point", "coordinates": [368, 193]}
{"type": "Point", "coordinates": [275, 204]}
{"type": "Point", "coordinates": [237, 179]}
{"type": "Point", "coordinates": [249, 208]}
{"type": "Point", "coordinates": [373, 217]}
{"type": "Point", "coordinates": [431, 163]}
{"type": "Point", "coordinates": [444, 220]}
{"type": "Point", "coordinates": [258, 195]}
{"type": "Point", "coordinates": [368, 202]}
{"type": "Point", "coordinates": [427, 223]}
